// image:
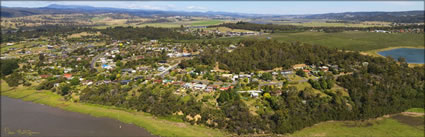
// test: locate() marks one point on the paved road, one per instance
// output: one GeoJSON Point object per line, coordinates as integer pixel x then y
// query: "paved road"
{"type": "Point", "coordinates": [163, 73]}
{"type": "Point", "coordinates": [93, 61]}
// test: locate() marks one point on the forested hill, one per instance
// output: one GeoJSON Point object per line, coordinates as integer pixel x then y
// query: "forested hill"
{"type": "Point", "coordinates": [136, 34]}
{"type": "Point", "coordinates": [401, 17]}
{"type": "Point", "coordinates": [379, 87]}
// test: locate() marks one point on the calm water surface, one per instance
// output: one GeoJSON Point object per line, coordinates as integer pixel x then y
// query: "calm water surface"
{"type": "Point", "coordinates": [410, 54]}
{"type": "Point", "coordinates": [21, 118]}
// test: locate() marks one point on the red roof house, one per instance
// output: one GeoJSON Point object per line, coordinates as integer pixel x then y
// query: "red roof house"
{"type": "Point", "coordinates": [68, 76]}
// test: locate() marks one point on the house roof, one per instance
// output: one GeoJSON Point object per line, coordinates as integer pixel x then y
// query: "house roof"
{"type": "Point", "coordinates": [299, 65]}
{"type": "Point", "coordinates": [67, 75]}
{"type": "Point", "coordinates": [125, 80]}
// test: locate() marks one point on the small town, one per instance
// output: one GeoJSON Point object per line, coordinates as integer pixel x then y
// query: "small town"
{"type": "Point", "coordinates": [151, 62]}
{"type": "Point", "coordinates": [213, 68]}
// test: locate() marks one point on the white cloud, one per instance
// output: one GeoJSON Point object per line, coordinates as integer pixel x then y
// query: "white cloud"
{"type": "Point", "coordinates": [196, 8]}
{"type": "Point", "coordinates": [150, 7]}
{"type": "Point", "coordinates": [405, 3]}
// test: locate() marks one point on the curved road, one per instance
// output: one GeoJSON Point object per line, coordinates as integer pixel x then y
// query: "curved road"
{"type": "Point", "coordinates": [93, 61]}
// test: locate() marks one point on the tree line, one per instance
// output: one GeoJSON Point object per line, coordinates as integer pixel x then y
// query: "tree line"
{"type": "Point", "coordinates": [272, 28]}
{"type": "Point", "coordinates": [137, 34]}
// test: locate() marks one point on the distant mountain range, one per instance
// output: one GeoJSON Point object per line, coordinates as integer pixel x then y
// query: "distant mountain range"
{"type": "Point", "coordinates": [70, 9]}
{"type": "Point", "coordinates": [405, 16]}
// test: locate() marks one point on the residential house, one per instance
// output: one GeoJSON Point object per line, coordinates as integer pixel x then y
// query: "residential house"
{"type": "Point", "coordinates": [162, 68]}
{"type": "Point", "coordinates": [129, 70]}
{"type": "Point", "coordinates": [138, 77]}
{"type": "Point", "coordinates": [226, 88]}
{"type": "Point", "coordinates": [125, 82]}
{"type": "Point", "coordinates": [299, 66]}
{"type": "Point", "coordinates": [67, 76]}
{"type": "Point", "coordinates": [10, 44]}
{"type": "Point", "coordinates": [286, 72]}
{"type": "Point", "coordinates": [253, 93]}
{"type": "Point", "coordinates": [324, 68]}
{"type": "Point", "coordinates": [105, 66]}
{"type": "Point", "coordinates": [44, 76]}
{"type": "Point", "coordinates": [227, 75]}
{"type": "Point", "coordinates": [67, 70]}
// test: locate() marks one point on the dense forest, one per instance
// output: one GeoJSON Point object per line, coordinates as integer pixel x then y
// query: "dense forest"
{"type": "Point", "coordinates": [266, 55]}
{"type": "Point", "coordinates": [144, 33]}
{"type": "Point", "coordinates": [42, 31]}
{"type": "Point", "coordinates": [384, 86]}
{"type": "Point", "coordinates": [114, 33]}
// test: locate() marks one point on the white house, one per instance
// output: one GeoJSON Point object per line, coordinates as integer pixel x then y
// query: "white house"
{"type": "Point", "coordinates": [162, 68]}
{"type": "Point", "coordinates": [253, 93]}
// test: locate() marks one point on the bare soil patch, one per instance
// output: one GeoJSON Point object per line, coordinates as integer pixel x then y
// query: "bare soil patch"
{"type": "Point", "coordinates": [409, 120]}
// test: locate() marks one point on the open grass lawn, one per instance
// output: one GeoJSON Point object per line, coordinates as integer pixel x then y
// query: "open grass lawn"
{"type": "Point", "coordinates": [303, 85]}
{"type": "Point", "coordinates": [417, 110]}
{"type": "Point", "coordinates": [156, 126]}
{"type": "Point", "coordinates": [79, 35]}
{"type": "Point", "coordinates": [395, 126]}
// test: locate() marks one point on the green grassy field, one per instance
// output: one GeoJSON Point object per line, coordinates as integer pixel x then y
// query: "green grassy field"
{"type": "Point", "coordinates": [352, 40]}
{"type": "Point", "coordinates": [4, 47]}
{"type": "Point", "coordinates": [156, 126]}
{"type": "Point", "coordinates": [325, 24]}
{"type": "Point", "coordinates": [387, 127]}
{"type": "Point", "coordinates": [417, 110]}
{"type": "Point", "coordinates": [207, 23]}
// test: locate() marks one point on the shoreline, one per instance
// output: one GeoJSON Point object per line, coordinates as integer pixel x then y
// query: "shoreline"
{"type": "Point", "coordinates": [376, 54]}
{"type": "Point", "coordinates": [154, 125]}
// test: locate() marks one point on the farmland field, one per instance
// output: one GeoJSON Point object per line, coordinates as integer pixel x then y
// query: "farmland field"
{"type": "Point", "coordinates": [325, 24]}
{"type": "Point", "coordinates": [207, 23]}
{"type": "Point", "coordinates": [397, 125]}
{"type": "Point", "coordinates": [351, 40]}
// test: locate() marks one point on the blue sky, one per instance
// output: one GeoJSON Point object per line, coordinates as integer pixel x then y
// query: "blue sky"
{"type": "Point", "coordinates": [267, 7]}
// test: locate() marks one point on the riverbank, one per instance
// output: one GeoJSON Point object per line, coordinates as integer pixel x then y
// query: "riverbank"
{"type": "Point", "coordinates": [152, 124]}
{"type": "Point", "coordinates": [24, 118]}
{"type": "Point", "coordinates": [381, 127]}
{"type": "Point", "coordinates": [375, 53]}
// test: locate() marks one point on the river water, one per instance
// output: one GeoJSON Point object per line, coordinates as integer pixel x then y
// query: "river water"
{"type": "Point", "coordinates": [21, 118]}
{"type": "Point", "coordinates": [411, 55]}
